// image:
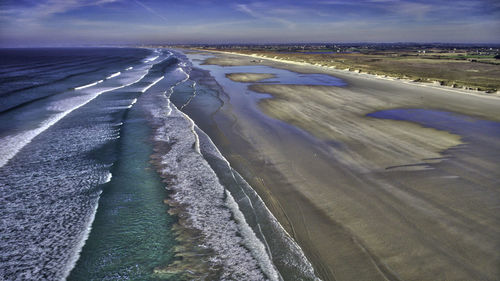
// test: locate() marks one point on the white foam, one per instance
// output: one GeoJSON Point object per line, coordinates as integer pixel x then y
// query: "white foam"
{"type": "Point", "coordinates": [191, 97]}
{"type": "Point", "coordinates": [114, 75]}
{"type": "Point", "coordinates": [81, 242]}
{"type": "Point", "coordinates": [12, 144]}
{"type": "Point", "coordinates": [151, 59]}
{"type": "Point", "coordinates": [297, 259]}
{"type": "Point", "coordinates": [108, 177]}
{"type": "Point", "coordinates": [152, 84]}
{"type": "Point", "coordinates": [169, 108]}
{"type": "Point", "coordinates": [207, 205]}
{"type": "Point", "coordinates": [185, 73]}
{"type": "Point", "coordinates": [192, 128]}
{"type": "Point", "coordinates": [129, 68]}
{"type": "Point", "coordinates": [132, 103]}
{"type": "Point", "coordinates": [89, 85]}
{"type": "Point", "coordinates": [251, 241]}
{"type": "Point", "coordinates": [197, 187]}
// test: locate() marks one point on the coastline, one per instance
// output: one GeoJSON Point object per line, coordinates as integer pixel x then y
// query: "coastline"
{"type": "Point", "coordinates": [345, 216]}
{"type": "Point", "coordinates": [433, 84]}
{"type": "Point", "coordinates": [375, 179]}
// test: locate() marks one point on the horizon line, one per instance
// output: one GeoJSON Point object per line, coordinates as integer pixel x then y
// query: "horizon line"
{"type": "Point", "coordinates": [92, 45]}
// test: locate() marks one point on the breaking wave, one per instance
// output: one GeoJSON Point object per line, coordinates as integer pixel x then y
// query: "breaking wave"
{"type": "Point", "coordinates": [211, 208]}
{"type": "Point", "coordinates": [89, 85]}
{"type": "Point", "coordinates": [114, 74]}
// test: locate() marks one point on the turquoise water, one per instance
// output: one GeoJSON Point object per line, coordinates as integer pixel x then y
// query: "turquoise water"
{"type": "Point", "coordinates": [80, 196]}
{"type": "Point", "coordinates": [59, 116]}
{"type": "Point", "coordinates": [131, 234]}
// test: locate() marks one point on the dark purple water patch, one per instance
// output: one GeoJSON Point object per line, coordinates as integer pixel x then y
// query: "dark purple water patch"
{"type": "Point", "coordinates": [470, 128]}
{"type": "Point", "coordinates": [283, 76]}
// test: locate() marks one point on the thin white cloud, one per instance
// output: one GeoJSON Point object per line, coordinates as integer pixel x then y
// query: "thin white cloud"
{"type": "Point", "coordinates": [338, 2]}
{"type": "Point", "coordinates": [152, 11]}
{"type": "Point", "coordinates": [382, 1]}
{"type": "Point", "coordinates": [417, 10]}
{"type": "Point", "coordinates": [395, 7]}
{"type": "Point", "coordinates": [261, 15]}
{"type": "Point", "coordinates": [45, 9]}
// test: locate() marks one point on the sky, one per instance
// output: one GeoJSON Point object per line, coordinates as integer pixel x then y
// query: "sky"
{"type": "Point", "coordinates": [95, 22]}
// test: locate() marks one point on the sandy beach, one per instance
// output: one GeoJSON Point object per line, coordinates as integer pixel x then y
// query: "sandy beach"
{"type": "Point", "coordinates": [371, 198]}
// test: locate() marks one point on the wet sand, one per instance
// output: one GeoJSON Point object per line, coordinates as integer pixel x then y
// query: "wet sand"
{"type": "Point", "coordinates": [249, 77]}
{"type": "Point", "coordinates": [369, 198]}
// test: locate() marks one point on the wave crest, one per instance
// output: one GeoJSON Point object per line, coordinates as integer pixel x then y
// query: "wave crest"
{"type": "Point", "coordinates": [205, 208]}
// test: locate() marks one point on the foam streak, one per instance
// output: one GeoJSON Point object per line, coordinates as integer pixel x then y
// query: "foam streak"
{"type": "Point", "coordinates": [89, 85]}
{"type": "Point", "coordinates": [114, 75]}
{"type": "Point", "coordinates": [152, 84]}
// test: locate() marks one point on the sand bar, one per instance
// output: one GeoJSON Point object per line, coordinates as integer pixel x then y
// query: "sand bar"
{"type": "Point", "coordinates": [370, 198]}
{"type": "Point", "coordinates": [249, 77]}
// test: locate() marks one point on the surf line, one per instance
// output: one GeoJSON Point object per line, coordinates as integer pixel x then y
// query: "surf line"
{"type": "Point", "coordinates": [152, 84]}
{"type": "Point", "coordinates": [258, 249]}
{"type": "Point", "coordinates": [89, 85]}
{"type": "Point", "coordinates": [151, 59]}
{"type": "Point", "coordinates": [113, 75]}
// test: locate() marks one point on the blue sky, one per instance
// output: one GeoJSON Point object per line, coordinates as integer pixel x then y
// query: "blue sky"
{"type": "Point", "coordinates": [75, 22]}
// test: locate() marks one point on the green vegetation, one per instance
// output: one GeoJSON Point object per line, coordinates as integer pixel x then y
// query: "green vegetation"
{"type": "Point", "coordinates": [470, 68]}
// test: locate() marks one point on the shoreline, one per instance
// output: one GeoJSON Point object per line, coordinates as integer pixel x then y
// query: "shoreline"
{"type": "Point", "coordinates": [205, 203]}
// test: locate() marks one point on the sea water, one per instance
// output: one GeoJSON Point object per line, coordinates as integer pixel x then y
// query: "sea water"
{"type": "Point", "coordinates": [92, 146]}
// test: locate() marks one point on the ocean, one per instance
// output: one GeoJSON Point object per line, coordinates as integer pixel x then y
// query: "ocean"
{"type": "Point", "coordinates": [105, 175]}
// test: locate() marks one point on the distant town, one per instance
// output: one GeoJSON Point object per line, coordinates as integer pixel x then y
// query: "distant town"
{"type": "Point", "coordinates": [468, 51]}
